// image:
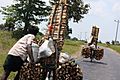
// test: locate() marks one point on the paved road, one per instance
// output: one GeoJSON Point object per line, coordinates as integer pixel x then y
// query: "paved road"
{"type": "Point", "coordinates": [106, 69]}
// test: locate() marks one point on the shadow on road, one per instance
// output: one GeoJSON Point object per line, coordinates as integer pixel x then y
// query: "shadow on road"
{"type": "Point", "coordinates": [98, 62]}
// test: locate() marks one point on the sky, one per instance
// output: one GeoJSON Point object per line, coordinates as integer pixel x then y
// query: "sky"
{"type": "Point", "coordinates": [102, 13]}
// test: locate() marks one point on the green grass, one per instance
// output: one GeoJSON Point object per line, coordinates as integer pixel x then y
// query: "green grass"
{"type": "Point", "coordinates": [71, 46]}
{"type": "Point", "coordinates": [2, 58]}
{"type": "Point", "coordinates": [6, 42]}
{"type": "Point", "coordinates": [114, 47]}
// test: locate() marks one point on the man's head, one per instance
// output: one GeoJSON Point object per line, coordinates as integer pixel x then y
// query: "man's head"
{"type": "Point", "coordinates": [33, 30]}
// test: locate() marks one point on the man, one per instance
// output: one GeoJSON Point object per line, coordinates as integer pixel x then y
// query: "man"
{"type": "Point", "coordinates": [19, 53]}
{"type": "Point", "coordinates": [93, 51]}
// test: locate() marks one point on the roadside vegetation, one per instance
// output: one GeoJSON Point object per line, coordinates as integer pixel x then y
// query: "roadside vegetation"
{"type": "Point", "coordinates": [6, 42]}
{"type": "Point", "coordinates": [72, 46]}
{"type": "Point", "coordinates": [114, 47]}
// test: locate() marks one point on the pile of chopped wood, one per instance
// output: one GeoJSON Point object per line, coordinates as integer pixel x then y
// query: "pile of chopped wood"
{"type": "Point", "coordinates": [86, 52]}
{"type": "Point", "coordinates": [69, 71]}
{"type": "Point", "coordinates": [99, 54]}
{"type": "Point", "coordinates": [31, 72]}
{"type": "Point", "coordinates": [65, 71]}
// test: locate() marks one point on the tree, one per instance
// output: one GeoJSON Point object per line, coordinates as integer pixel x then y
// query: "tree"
{"type": "Point", "coordinates": [28, 12]}
{"type": "Point", "coordinates": [9, 17]}
{"type": "Point", "coordinates": [113, 42]}
{"type": "Point", "coordinates": [2, 27]}
{"type": "Point", "coordinates": [76, 9]}
{"type": "Point", "coordinates": [10, 23]}
{"type": "Point", "coordinates": [75, 39]}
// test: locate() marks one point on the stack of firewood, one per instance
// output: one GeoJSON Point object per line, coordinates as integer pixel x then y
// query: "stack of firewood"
{"type": "Point", "coordinates": [86, 52]}
{"type": "Point", "coordinates": [66, 71]}
{"type": "Point", "coordinates": [31, 72]}
{"type": "Point", "coordinates": [99, 54]}
{"type": "Point", "coordinates": [69, 71]}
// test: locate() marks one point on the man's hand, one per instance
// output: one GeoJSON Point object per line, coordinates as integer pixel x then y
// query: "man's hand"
{"type": "Point", "coordinates": [29, 48]}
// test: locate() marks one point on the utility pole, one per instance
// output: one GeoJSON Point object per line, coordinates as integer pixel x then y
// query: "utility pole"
{"type": "Point", "coordinates": [80, 35]}
{"type": "Point", "coordinates": [85, 36]}
{"type": "Point", "coordinates": [116, 30]}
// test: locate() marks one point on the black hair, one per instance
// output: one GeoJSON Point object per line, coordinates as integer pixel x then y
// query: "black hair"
{"type": "Point", "coordinates": [33, 30]}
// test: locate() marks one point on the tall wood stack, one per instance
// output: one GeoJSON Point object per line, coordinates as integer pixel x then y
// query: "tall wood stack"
{"type": "Point", "coordinates": [58, 20]}
{"type": "Point", "coordinates": [95, 32]}
{"type": "Point", "coordinates": [57, 25]}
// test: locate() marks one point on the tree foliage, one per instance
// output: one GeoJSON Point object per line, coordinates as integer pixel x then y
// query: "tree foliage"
{"type": "Point", "coordinates": [28, 12]}
{"type": "Point", "coordinates": [2, 27]}
{"type": "Point", "coordinates": [9, 17]}
{"type": "Point", "coordinates": [76, 9]}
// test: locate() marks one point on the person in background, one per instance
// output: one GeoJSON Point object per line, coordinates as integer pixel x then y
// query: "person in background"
{"type": "Point", "coordinates": [19, 53]}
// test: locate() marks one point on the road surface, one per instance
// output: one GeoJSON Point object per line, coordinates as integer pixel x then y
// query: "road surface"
{"type": "Point", "coordinates": [106, 69]}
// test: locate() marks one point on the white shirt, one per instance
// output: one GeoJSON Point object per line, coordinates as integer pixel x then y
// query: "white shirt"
{"type": "Point", "coordinates": [90, 40]}
{"type": "Point", "coordinates": [93, 46]}
{"type": "Point", "coordinates": [20, 48]}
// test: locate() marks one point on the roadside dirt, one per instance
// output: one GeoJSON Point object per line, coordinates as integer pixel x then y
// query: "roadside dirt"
{"type": "Point", "coordinates": [78, 53]}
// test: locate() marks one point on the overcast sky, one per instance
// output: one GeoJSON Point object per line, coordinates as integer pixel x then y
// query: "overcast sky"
{"type": "Point", "coordinates": [102, 13]}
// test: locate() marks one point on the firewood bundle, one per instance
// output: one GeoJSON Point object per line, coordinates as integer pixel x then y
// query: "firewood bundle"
{"type": "Point", "coordinates": [86, 52]}
{"type": "Point", "coordinates": [99, 54]}
{"type": "Point", "coordinates": [95, 32]}
{"type": "Point", "coordinates": [31, 72]}
{"type": "Point", "coordinates": [69, 71]}
{"type": "Point", "coordinates": [66, 71]}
